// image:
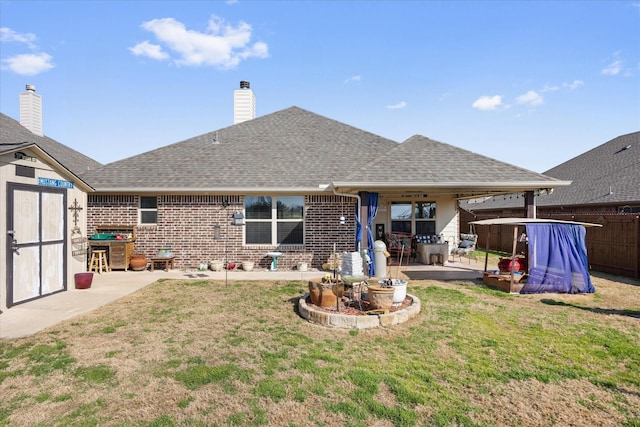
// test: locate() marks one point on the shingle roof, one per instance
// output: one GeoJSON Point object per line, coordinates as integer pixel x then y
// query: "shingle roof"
{"type": "Point", "coordinates": [287, 149]}
{"type": "Point", "coordinates": [13, 136]}
{"type": "Point", "coordinates": [424, 160]}
{"type": "Point", "coordinates": [614, 165]}
{"type": "Point", "coordinates": [296, 149]}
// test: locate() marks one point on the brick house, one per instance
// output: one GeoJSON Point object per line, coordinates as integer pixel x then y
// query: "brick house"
{"type": "Point", "coordinates": [293, 175]}
{"type": "Point", "coordinates": [300, 180]}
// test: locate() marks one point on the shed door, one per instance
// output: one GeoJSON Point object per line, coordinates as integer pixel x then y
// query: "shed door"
{"type": "Point", "coordinates": [36, 246]}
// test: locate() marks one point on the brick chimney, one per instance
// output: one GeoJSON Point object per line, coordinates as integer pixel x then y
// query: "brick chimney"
{"type": "Point", "coordinates": [31, 110]}
{"type": "Point", "coordinates": [244, 103]}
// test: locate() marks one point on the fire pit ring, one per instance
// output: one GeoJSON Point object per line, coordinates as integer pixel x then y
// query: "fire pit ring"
{"type": "Point", "coordinates": [342, 320]}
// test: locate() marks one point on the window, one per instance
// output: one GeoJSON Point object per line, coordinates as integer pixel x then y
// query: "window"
{"type": "Point", "coordinates": [401, 217]}
{"type": "Point", "coordinates": [425, 216]}
{"type": "Point", "coordinates": [414, 217]}
{"type": "Point", "coordinates": [148, 210]}
{"type": "Point", "coordinates": [276, 220]}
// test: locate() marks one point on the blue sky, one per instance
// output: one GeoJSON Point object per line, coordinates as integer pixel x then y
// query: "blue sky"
{"type": "Point", "coordinates": [529, 83]}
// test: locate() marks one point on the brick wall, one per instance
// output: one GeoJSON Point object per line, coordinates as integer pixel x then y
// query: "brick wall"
{"type": "Point", "coordinates": [186, 226]}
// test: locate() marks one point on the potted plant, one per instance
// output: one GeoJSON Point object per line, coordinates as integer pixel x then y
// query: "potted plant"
{"type": "Point", "coordinates": [326, 292]}
{"type": "Point", "coordinates": [138, 262]}
{"type": "Point", "coordinates": [380, 296]}
{"type": "Point", "coordinates": [216, 265]}
{"type": "Point", "coordinates": [83, 280]}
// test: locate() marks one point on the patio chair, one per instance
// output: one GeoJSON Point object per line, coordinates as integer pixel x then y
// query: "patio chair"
{"type": "Point", "coordinates": [400, 243]}
{"type": "Point", "coordinates": [466, 247]}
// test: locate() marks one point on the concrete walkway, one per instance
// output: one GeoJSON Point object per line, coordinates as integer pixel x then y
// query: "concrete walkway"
{"type": "Point", "coordinates": [31, 317]}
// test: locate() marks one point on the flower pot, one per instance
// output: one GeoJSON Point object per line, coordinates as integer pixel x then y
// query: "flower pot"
{"type": "Point", "coordinates": [83, 280]}
{"type": "Point", "coordinates": [138, 262]}
{"type": "Point", "coordinates": [400, 289]}
{"type": "Point", "coordinates": [302, 266]}
{"type": "Point", "coordinates": [380, 296]}
{"type": "Point", "coordinates": [325, 294]}
{"type": "Point", "coordinates": [247, 265]}
{"type": "Point", "coordinates": [216, 265]}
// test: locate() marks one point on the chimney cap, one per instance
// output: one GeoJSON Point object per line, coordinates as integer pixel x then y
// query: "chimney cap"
{"type": "Point", "coordinates": [244, 84]}
{"type": "Point", "coordinates": [31, 88]}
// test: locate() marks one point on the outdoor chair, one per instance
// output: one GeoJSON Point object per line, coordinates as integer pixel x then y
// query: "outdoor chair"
{"type": "Point", "coordinates": [401, 245]}
{"type": "Point", "coordinates": [466, 247]}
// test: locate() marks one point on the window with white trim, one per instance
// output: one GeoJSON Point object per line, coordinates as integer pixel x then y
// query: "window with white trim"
{"type": "Point", "coordinates": [414, 217]}
{"type": "Point", "coordinates": [148, 212]}
{"type": "Point", "coordinates": [274, 220]}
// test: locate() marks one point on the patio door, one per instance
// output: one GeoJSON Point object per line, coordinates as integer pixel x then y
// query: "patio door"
{"type": "Point", "coordinates": [36, 244]}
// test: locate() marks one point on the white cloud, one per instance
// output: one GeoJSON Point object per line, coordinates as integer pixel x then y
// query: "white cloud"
{"type": "Point", "coordinates": [573, 85]}
{"type": "Point", "coordinates": [530, 98]}
{"type": "Point", "coordinates": [28, 64]}
{"type": "Point", "coordinates": [352, 79]}
{"type": "Point", "coordinates": [8, 35]}
{"type": "Point", "coordinates": [569, 86]}
{"type": "Point", "coordinates": [487, 103]}
{"type": "Point", "coordinates": [548, 88]}
{"type": "Point", "coordinates": [221, 45]}
{"type": "Point", "coordinates": [149, 50]}
{"type": "Point", "coordinates": [400, 105]}
{"type": "Point", "coordinates": [612, 69]}
{"type": "Point", "coordinates": [616, 67]}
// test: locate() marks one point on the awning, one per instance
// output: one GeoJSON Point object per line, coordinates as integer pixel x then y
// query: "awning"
{"type": "Point", "coordinates": [524, 221]}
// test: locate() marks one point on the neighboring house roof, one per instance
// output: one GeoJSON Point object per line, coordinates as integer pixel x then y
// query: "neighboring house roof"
{"type": "Point", "coordinates": [14, 137]}
{"type": "Point", "coordinates": [606, 175]}
{"type": "Point", "coordinates": [294, 150]}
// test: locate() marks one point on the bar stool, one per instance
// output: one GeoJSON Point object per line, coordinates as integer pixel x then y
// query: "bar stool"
{"type": "Point", "coordinates": [99, 261]}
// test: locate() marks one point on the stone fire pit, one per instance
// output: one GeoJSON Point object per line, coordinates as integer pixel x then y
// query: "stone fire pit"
{"type": "Point", "coordinates": [347, 319]}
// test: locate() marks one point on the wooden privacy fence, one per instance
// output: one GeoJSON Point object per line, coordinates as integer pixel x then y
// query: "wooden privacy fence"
{"type": "Point", "coordinates": [613, 248]}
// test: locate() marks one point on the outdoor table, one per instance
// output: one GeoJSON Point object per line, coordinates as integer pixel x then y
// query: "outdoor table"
{"type": "Point", "coordinates": [167, 260]}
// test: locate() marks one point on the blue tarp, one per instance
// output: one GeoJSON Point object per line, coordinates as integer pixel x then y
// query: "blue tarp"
{"type": "Point", "coordinates": [557, 259]}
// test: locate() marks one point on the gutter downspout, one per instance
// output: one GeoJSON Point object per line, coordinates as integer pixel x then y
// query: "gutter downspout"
{"type": "Point", "coordinates": [359, 199]}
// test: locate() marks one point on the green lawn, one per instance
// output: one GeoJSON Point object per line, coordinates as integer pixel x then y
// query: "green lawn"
{"type": "Point", "coordinates": [199, 353]}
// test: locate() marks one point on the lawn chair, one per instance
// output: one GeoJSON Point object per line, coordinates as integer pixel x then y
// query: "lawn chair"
{"type": "Point", "coordinates": [466, 247]}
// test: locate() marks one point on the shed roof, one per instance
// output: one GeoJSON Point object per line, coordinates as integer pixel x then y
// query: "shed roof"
{"type": "Point", "coordinates": [14, 136]}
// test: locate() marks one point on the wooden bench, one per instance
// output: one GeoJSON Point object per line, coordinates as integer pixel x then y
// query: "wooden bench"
{"type": "Point", "coordinates": [167, 260]}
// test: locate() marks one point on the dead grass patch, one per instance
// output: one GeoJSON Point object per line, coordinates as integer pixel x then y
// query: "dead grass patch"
{"type": "Point", "coordinates": [202, 353]}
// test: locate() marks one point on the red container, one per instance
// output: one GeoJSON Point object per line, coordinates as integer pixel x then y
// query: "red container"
{"type": "Point", "coordinates": [83, 280]}
{"type": "Point", "coordinates": [505, 264]}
